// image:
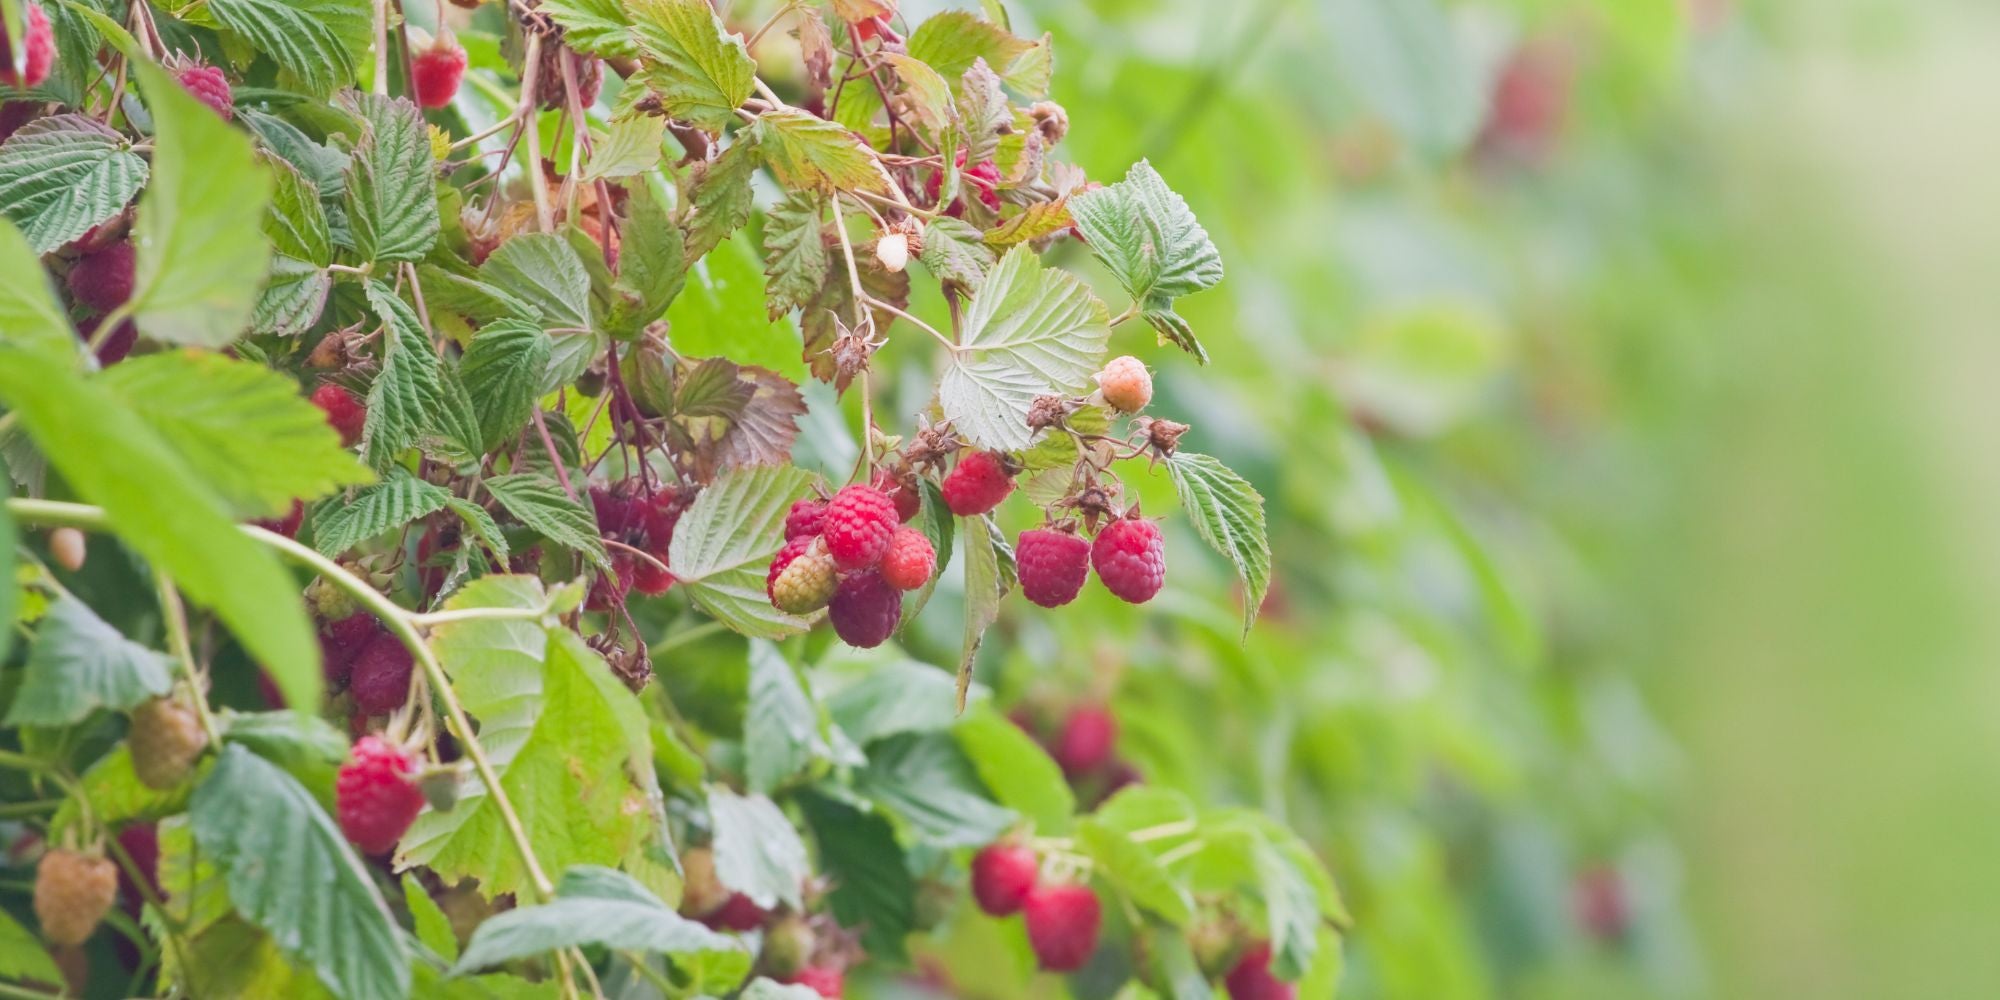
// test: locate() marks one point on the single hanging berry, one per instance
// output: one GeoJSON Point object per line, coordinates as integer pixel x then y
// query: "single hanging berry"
{"type": "Point", "coordinates": [375, 796]}
{"type": "Point", "coordinates": [1131, 558]}
{"type": "Point", "coordinates": [865, 610]}
{"type": "Point", "coordinates": [1126, 384]}
{"type": "Point", "coordinates": [69, 548]}
{"type": "Point", "coordinates": [210, 87]}
{"type": "Point", "coordinates": [1052, 563]}
{"type": "Point", "coordinates": [1062, 920]}
{"type": "Point", "coordinates": [1088, 736]}
{"type": "Point", "coordinates": [805, 518]}
{"type": "Point", "coordinates": [740, 913]}
{"type": "Point", "coordinates": [859, 521]}
{"type": "Point", "coordinates": [979, 482]}
{"type": "Point", "coordinates": [380, 675]}
{"type": "Point", "coordinates": [1002, 876]}
{"type": "Point", "coordinates": [436, 70]}
{"type": "Point", "coordinates": [1251, 978]}
{"type": "Point", "coordinates": [103, 280]}
{"type": "Point", "coordinates": [910, 560]}
{"type": "Point", "coordinates": [806, 584]}
{"type": "Point", "coordinates": [73, 892]}
{"type": "Point", "coordinates": [38, 53]}
{"type": "Point", "coordinates": [346, 414]}
{"type": "Point", "coordinates": [165, 740]}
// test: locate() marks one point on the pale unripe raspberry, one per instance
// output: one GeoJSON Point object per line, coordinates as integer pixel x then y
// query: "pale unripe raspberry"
{"type": "Point", "coordinates": [892, 251]}
{"type": "Point", "coordinates": [73, 891]}
{"type": "Point", "coordinates": [166, 739]}
{"type": "Point", "coordinates": [67, 547]}
{"type": "Point", "coordinates": [1126, 384]}
{"type": "Point", "coordinates": [806, 584]}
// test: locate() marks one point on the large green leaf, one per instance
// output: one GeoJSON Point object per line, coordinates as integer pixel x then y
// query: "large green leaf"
{"type": "Point", "coordinates": [63, 174]}
{"type": "Point", "coordinates": [544, 271]}
{"type": "Point", "coordinates": [397, 500]}
{"type": "Point", "coordinates": [21, 954]}
{"type": "Point", "coordinates": [724, 543]}
{"type": "Point", "coordinates": [318, 42]}
{"type": "Point", "coordinates": [872, 886]}
{"type": "Point", "coordinates": [718, 196]}
{"type": "Point", "coordinates": [1020, 774]}
{"type": "Point", "coordinates": [593, 906]}
{"type": "Point", "coordinates": [954, 252]}
{"type": "Point", "coordinates": [1030, 331]}
{"type": "Point", "coordinates": [1134, 871]}
{"type": "Point", "coordinates": [1148, 237]}
{"type": "Point", "coordinates": [413, 399]}
{"type": "Point", "coordinates": [502, 372]}
{"type": "Point", "coordinates": [627, 148]}
{"type": "Point", "coordinates": [902, 696]}
{"type": "Point", "coordinates": [264, 829]}
{"type": "Point", "coordinates": [806, 151]}
{"type": "Point", "coordinates": [10, 589]}
{"type": "Point", "coordinates": [925, 781]}
{"type": "Point", "coordinates": [391, 196]}
{"type": "Point", "coordinates": [1228, 514]}
{"type": "Point", "coordinates": [540, 503]}
{"type": "Point", "coordinates": [596, 27]}
{"type": "Point", "coordinates": [757, 852]}
{"type": "Point", "coordinates": [949, 42]}
{"type": "Point", "coordinates": [701, 71]}
{"type": "Point", "coordinates": [78, 664]}
{"type": "Point", "coordinates": [296, 222]}
{"type": "Point", "coordinates": [780, 724]}
{"type": "Point", "coordinates": [31, 318]}
{"type": "Point", "coordinates": [202, 252]}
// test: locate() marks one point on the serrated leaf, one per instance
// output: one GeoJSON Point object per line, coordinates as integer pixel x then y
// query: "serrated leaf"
{"type": "Point", "coordinates": [241, 426]}
{"type": "Point", "coordinates": [391, 196]}
{"type": "Point", "coordinates": [989, 574]}
{"type": "Point", "coordinates": [296, 223]}
{"type": "Point", "coordinates": [652, 265]}
{"type": "Point", "coordinates": [719, 196]}
{"type": "Point", "coordinates": [481, 525]}
{"type": "Point", "coordinates": [1291, 910]}
{"type": "Point", "coordinates": [724, 543]}
{"type": "Point", "coordinates": [318, 42]}
{"type": "Point", "coordinates": [432, 926]}
{"type": "Point", "coordinates": [1034, 222]}
{"type": "Point", "coordinates": [263, 829]}
{"type": "Point", "coordinates": [201, 248]}
{"type": "Point", "coordinates": [397, 500]}
{"type": "Point", "coordinates": [544, 271]}
{"type": "Point", "coordinates": [805, 151]}
{"type": "Point", "coordinates": [1134, 871]}
{"type": "Point", "coordinates": [1030, 71]}
{"type": "Point", "coordinates": [701, 71]}
{"type": "Point", "coordinates": [949, 42]}
{"type": "Point", "coordinates": [413, 397]}
{"type": "Point", "coordinates": [1228, 514]}
{"type": "Point", "coordinates": [502, 371]}
{"type": "Point", "coordinates": [983, 115]}
{"type": "Point", "coordinates": [1174, 330]}
{"type": "Point", "coordinates": [292, 299]}
{"type": "Point", "coordinates": [757, 853]}
{"type": "Point", "coordinates": [1030, 331]}
{"type": "Point", "coordinates": [780, 725]}
{"type": "Point", "coordinates": [627, 148]}
{"type": "Point", "coordinates": [1020, 774]}
{"type": "Point", "coordinates": [1148, 237]}
{"type": "Point", "coordinates": [956, 252]}
{"type": "Point", "coordinates": [78, 664]}
{"type": "Point", "coordinates": [928, 91]}
{"type": "Point", "coordinates": [540, 503]}
{"type": "Point", "coordinates": [63, 174]}
{"type": "Point", "coordinates": [872, 887]}
{"type": "Point", "coordinates": [22, 956]}
{"type": "Point", "coordinates": [594, 905]}
{"type": "Point", "coordinates": [595, 27]}
{"type": "Point", "coordinates": [924, 780]}
{"type": "Point", "coordinates": [795, 258]}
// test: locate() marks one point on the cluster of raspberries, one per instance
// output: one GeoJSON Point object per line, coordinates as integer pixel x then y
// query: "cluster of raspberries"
{"type": "Point", "coordinates": [639, 519]}
{"type": "Point", "coordinates": [853, 556]}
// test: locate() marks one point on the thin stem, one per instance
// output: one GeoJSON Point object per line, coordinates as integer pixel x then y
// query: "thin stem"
{"type": "Point", "coordinates": [769, 23]}
{"type": "Point", "coordinates": [641, 553]}
{"type": "Point", "coordinates": [555, 457]}
{"type": "Point", "coordinates": [1130, 311]}
{"type": "Point", "coordinates": [1174, 829]}
{"type": "Point", "coordinates": [435, 618]}
{"type": "Point", "coordinates": [926, 327]}
{"type": "Point", "coordinates": [497, 128]}
{"type": "Point", "coordinates": [533, 60]}
{"type": "Point", "coordinates": [175, 614]}
{"type": "Point", "coordinates": [382, 47]}
{"type": "Point", "coordinates": [19, 810]}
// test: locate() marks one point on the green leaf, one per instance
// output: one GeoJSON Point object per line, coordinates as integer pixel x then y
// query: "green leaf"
{"type": "Point", "coordinates": [872, 887]}
{"type": "Point", "coordinates": [795, 258]}
{"type": "Point", "coordinates": [1030, 331]}
{"type": "Point", "coordinates": [722, 313]}
{"type": "Point", "coordinates": [724, 543]}
{"type": "Point", "coordinates": [652, 265]}
{"type": "Point", "coordinates": [1404, 62]}
{"type": "Point", "coordinates": [63, 174]}
{"type": "Point", "coordinates": [264, 829]}
{"type": "Point", "coordinates": [481, 524]}
{"type": "Point", "coordinates": [1034, 222]}
{"type": "Point", "coordinates": [79, 664]}
{"type": "Point", "coordinates": [701, 71]}
{"type": "Point", "coordinates": [10, 590]}
{"type": "Point", "coordinates": [1228, 514]}
{"type": "Point", "coordinates": [412, 399]}
{"type": "Point", "coordinates": [296, 222]}
{"type": "Point", "coordinates": [949, 43]}
{"type": "Point", "coordinates": [241, 426]}
{"type": "Point", "coordinates": [770, 989]}
{"type": "Point", "coordinates": [293, 298]}
{"type": "Point", "coordinates": [719, 196]}
{"type": "Point", "coordinates": [397, 500]}
{"type": "Point", "coordinates": [595, 27]}
{"type": "Point", "coordinates": [1148, 237]}
{"type": "Point", "coordinates": [391, 195]}
{"type": "Point", "coordinates": [1134, 872]}
{"type": "Point", "coordinates": [305, 745]}
{"type": "Point", "coordinates": [1019, 772]}
{"type": "Point", "coordinates": [317, 42]}
{"type": "Point", "coordinates": [901, 696]}
{"type": "Point", "coordinates": [989, 574]}
{"type": "Point", "coordinates": [432, 926]}
{"type": "Point", "coordinates": [928, 92]}
{"type": "Point", "coordinates": [543, 270]}
{"type": "Point", "coordinates": [1291, 909]}
{"type": "Point", "coordinates": [805, 151]}
{"type": "Point", "coordinates": [502, 372]}
{"type": "Point", "coordinates": [757, 853]}
{"type": "Point", "coordinates": [202, 253]}
{"type": "Point", "coordinates": [593, 906]}
{"type": "Point", "coordinates": [21, 954]}
{"type": "Point", "coordinates": [628, 148]}
{"type": "Point", "coordinates": [164, 512]}
{"type": "Point", "coordinates": [955, 252]}
{"type": "Point", "coordinates": [540, 503]}
{"type": "Point", "coordinates": [924, 780]}
{"type": "Point", "coordinates": [780, 724]}
{"type": "Point", "coordinates": [31, 319]}
{"type": "Point", "coordinates": [114, 795]}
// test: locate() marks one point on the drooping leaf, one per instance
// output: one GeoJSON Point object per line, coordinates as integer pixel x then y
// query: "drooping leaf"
{"type": "Point", "coordinates": [757, 852]}
{"type": "Point", "coordinates": [780, 725]}
{"type": "Point", "coordinates": [1020, 774]}
{"type": "Point", "coordinates": [983, 115]}
{"type": "Point", "coordinates": [540, 503]}
{"type": "Point", "coordinates": [925, 781]}
{"type": "Point", "coordinates": [10, 589]}
{"type": "Point", "coordinates": [1134, 871]}
{"type": "Point", "coordinates": [397, 500]}
{"type": "Point", "coordinates": [432, 926]}
{"type": "Point", "coordinates": [700, 71]}
{"type": "Point", "coordinates": [502, 371]}
{"type": "Point", "coordinates": [318, 42]}
{"type": "Point", "coordinates": [724, 543]}
{"type": "Point", "coordinates": [594, 905]}
{"type": "Point", "coordinates": [718, 196]}
{"type": "Point", "coordinates": [1291, 910]}
{"type": "Point", "coordinates": [1148, 237]}
{"type": "Point", "coordinates": [872, 887]}
{"type": "Point", "coordinates": [296, 221]}
{"type": "Point", "coordinates": [63, 174]}
{"type": "Point", "coordinates": [1034, 222]}
{"type": "Point", "coordinates": [989, 574]}
{"type": "Point", "coordinates": [806, 152]}
{"type": "Point", "coordinates": [1228, 514]}
{"type": "Point", "coordinates": [391, 197]}
{"type": "Point", "coordinates": [652, 265]}
{"type": "Point", "coordinates": [795, 258]}
{"type": "Point", "coordinates": [78, 664]}
{"type": "Point", "coordinates": [1030, 331]}
{"type": "Point", "coordinates": [928, 91]}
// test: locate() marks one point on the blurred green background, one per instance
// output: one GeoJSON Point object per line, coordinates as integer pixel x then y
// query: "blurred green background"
{"type": "Point", "coordinates": [1616, 371]}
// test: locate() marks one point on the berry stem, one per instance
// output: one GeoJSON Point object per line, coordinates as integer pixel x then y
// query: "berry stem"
{"type": "Point", "coordinates": [926, 327]}
{"type": "Point", "coordinates": [1130, 311]}
{"type": "Point", "coordinates": [175, 614]}
{"type": "Point", "coordinates": [530, 82]}
{"type": "Point", "coordinates": [382, 47]}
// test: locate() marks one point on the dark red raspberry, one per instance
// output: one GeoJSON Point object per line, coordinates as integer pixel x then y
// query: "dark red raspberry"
{"type": "Point", "coordinates": [375, 795]}
{"type": "Point", "coordinates": [103, 280]}
{"type": "Point", "coordinates": [1087, 738]}
{"type": "Point", "coordinates": [978, 483]}
{"type": "Point", "coordinates": [859, 521]}
{"type": "Point", "coordinates": [805, 518]}
{"type": "Point", "coordinates": [73, 891]}
{"type": "Point", "coordinates": [1052, 563]}
{"type": "Point", "coordinates": [14, 114]}
{"type": "Point", "coordinates": [380, 676]}
{"type": "Point", "coordinates": [1251, 978]}
{"type": "Point", "coordinates": [210, 87]}
{"type": "Point", "coordinates": [115, 347]}
{"type": "Point", "coordinates": [341, 641]}
{"type": "Point", "coordinates": [865, 610]}
{"type": "Point", "coordinates": [738, 914]}
{"type": "Point", "coordinates": [983, 177]}
{"type": "Point", "coordinates": [659, 514]}
{"type": "Point", "coordinates": [910, 560]}
{"type": "Point", "coordinates": [165, 740]}
{"type": "Point", "coordinates": [1062, 920]}
{"type": "Point", "coordinates": [38, 55]}
{"type": "Point", "coordinates": [617, 514]}
{"type": "Point", "coordinates": [608, 590]}
{"type": "Point", "coordinates": [825, 980]}
{"type": "Point", "coordinates": [436, 71]}
{"type": "Point", "coordinates": [288, 525]}
{"type": "Point", "coordinates": [1002, 876]}
{"type": "Point", "coordinates": [903, 493]}
{"type": "Point", "coordinates": [648, 576]}
{"type": "Point", "coordinates": [1131, 559]}
{"type": "Point", "coordinates": [343, 411]}
{"type": "Point", "coordinates": [141, 842]}
{"type": "Point", "coordinates": [793, 549]}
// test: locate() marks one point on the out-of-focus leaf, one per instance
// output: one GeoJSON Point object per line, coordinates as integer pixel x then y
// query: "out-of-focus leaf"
{"type": "Point", "coordinates": [757, 853]}
{"type": "Point", "coordinates": [78, 664]}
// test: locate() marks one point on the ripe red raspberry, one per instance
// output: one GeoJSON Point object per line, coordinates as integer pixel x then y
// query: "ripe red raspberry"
{"type": "Point", "coordinates": [1052, 563]}
{"type": "Point", "coordinates": [210, 87]}
{"type": "Point", "coordinates": [1002, 876]}
{"type": "Point", "coordinates": [73, 891]}
{"type": "Point", "coordinates": [738, 914]}
{"type": "Point", "coordinates": [1126, 384]}
{"type": "Point", "coordinates": [648, 578]}
{"type": "Point", "coordinates": [825, 980]}
{"type": "Point", "coordinates": [341, 641]}
{"type": "Point", "coordinates": [982, 177]}
{"type": "Point", "coordinates": [103, 280]}
{"type": "Point", "coordinates": [1251, 978]}
{"type": "Point", "coordinates": [858, 523]}
{"type": "Point", "coordinates": [617, 515]}
{"type": "Point", "coordinates": [910, 560]}
{"type": "Point", "coordinates": [1086, 740]}
{"type": "Point", "coordinates": [865, 610]}
{"type": "Point", "coordinates": [608, 590]}
{"type": "Point", "coordinates": [1131, 559]}
{"type": "Point", "coordinates": [165, 740]}
{"type": "Point", "coordinates": [115, 347]}
{"type": "Point", "coordinates": [659, 514]}
{"type": "Point", "coordinates": [979, 482]}
{"type": "Point", "coordinates": [380, 675]}
{"type": "Point", "coordinates": [288, 525]}
{"type": "Point", "coordinates": [1062, 920]}
{"type": "Point", "coordinates": [805, 518]}
{"type": "Point", "coordinates": [436, 71]}
{"type": "Point", "coordinates": [38, 55]}
{"type": "Point", "coordinates": [806, 584]}
{"type": "Point", "coordinates": [793, 549]}
{"type": "Point", "coordinates": [903, 493]}
{"type": "Point", "coordinates": [343, 411]}
{"type": "Point", "coordinates": [375, 796]}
